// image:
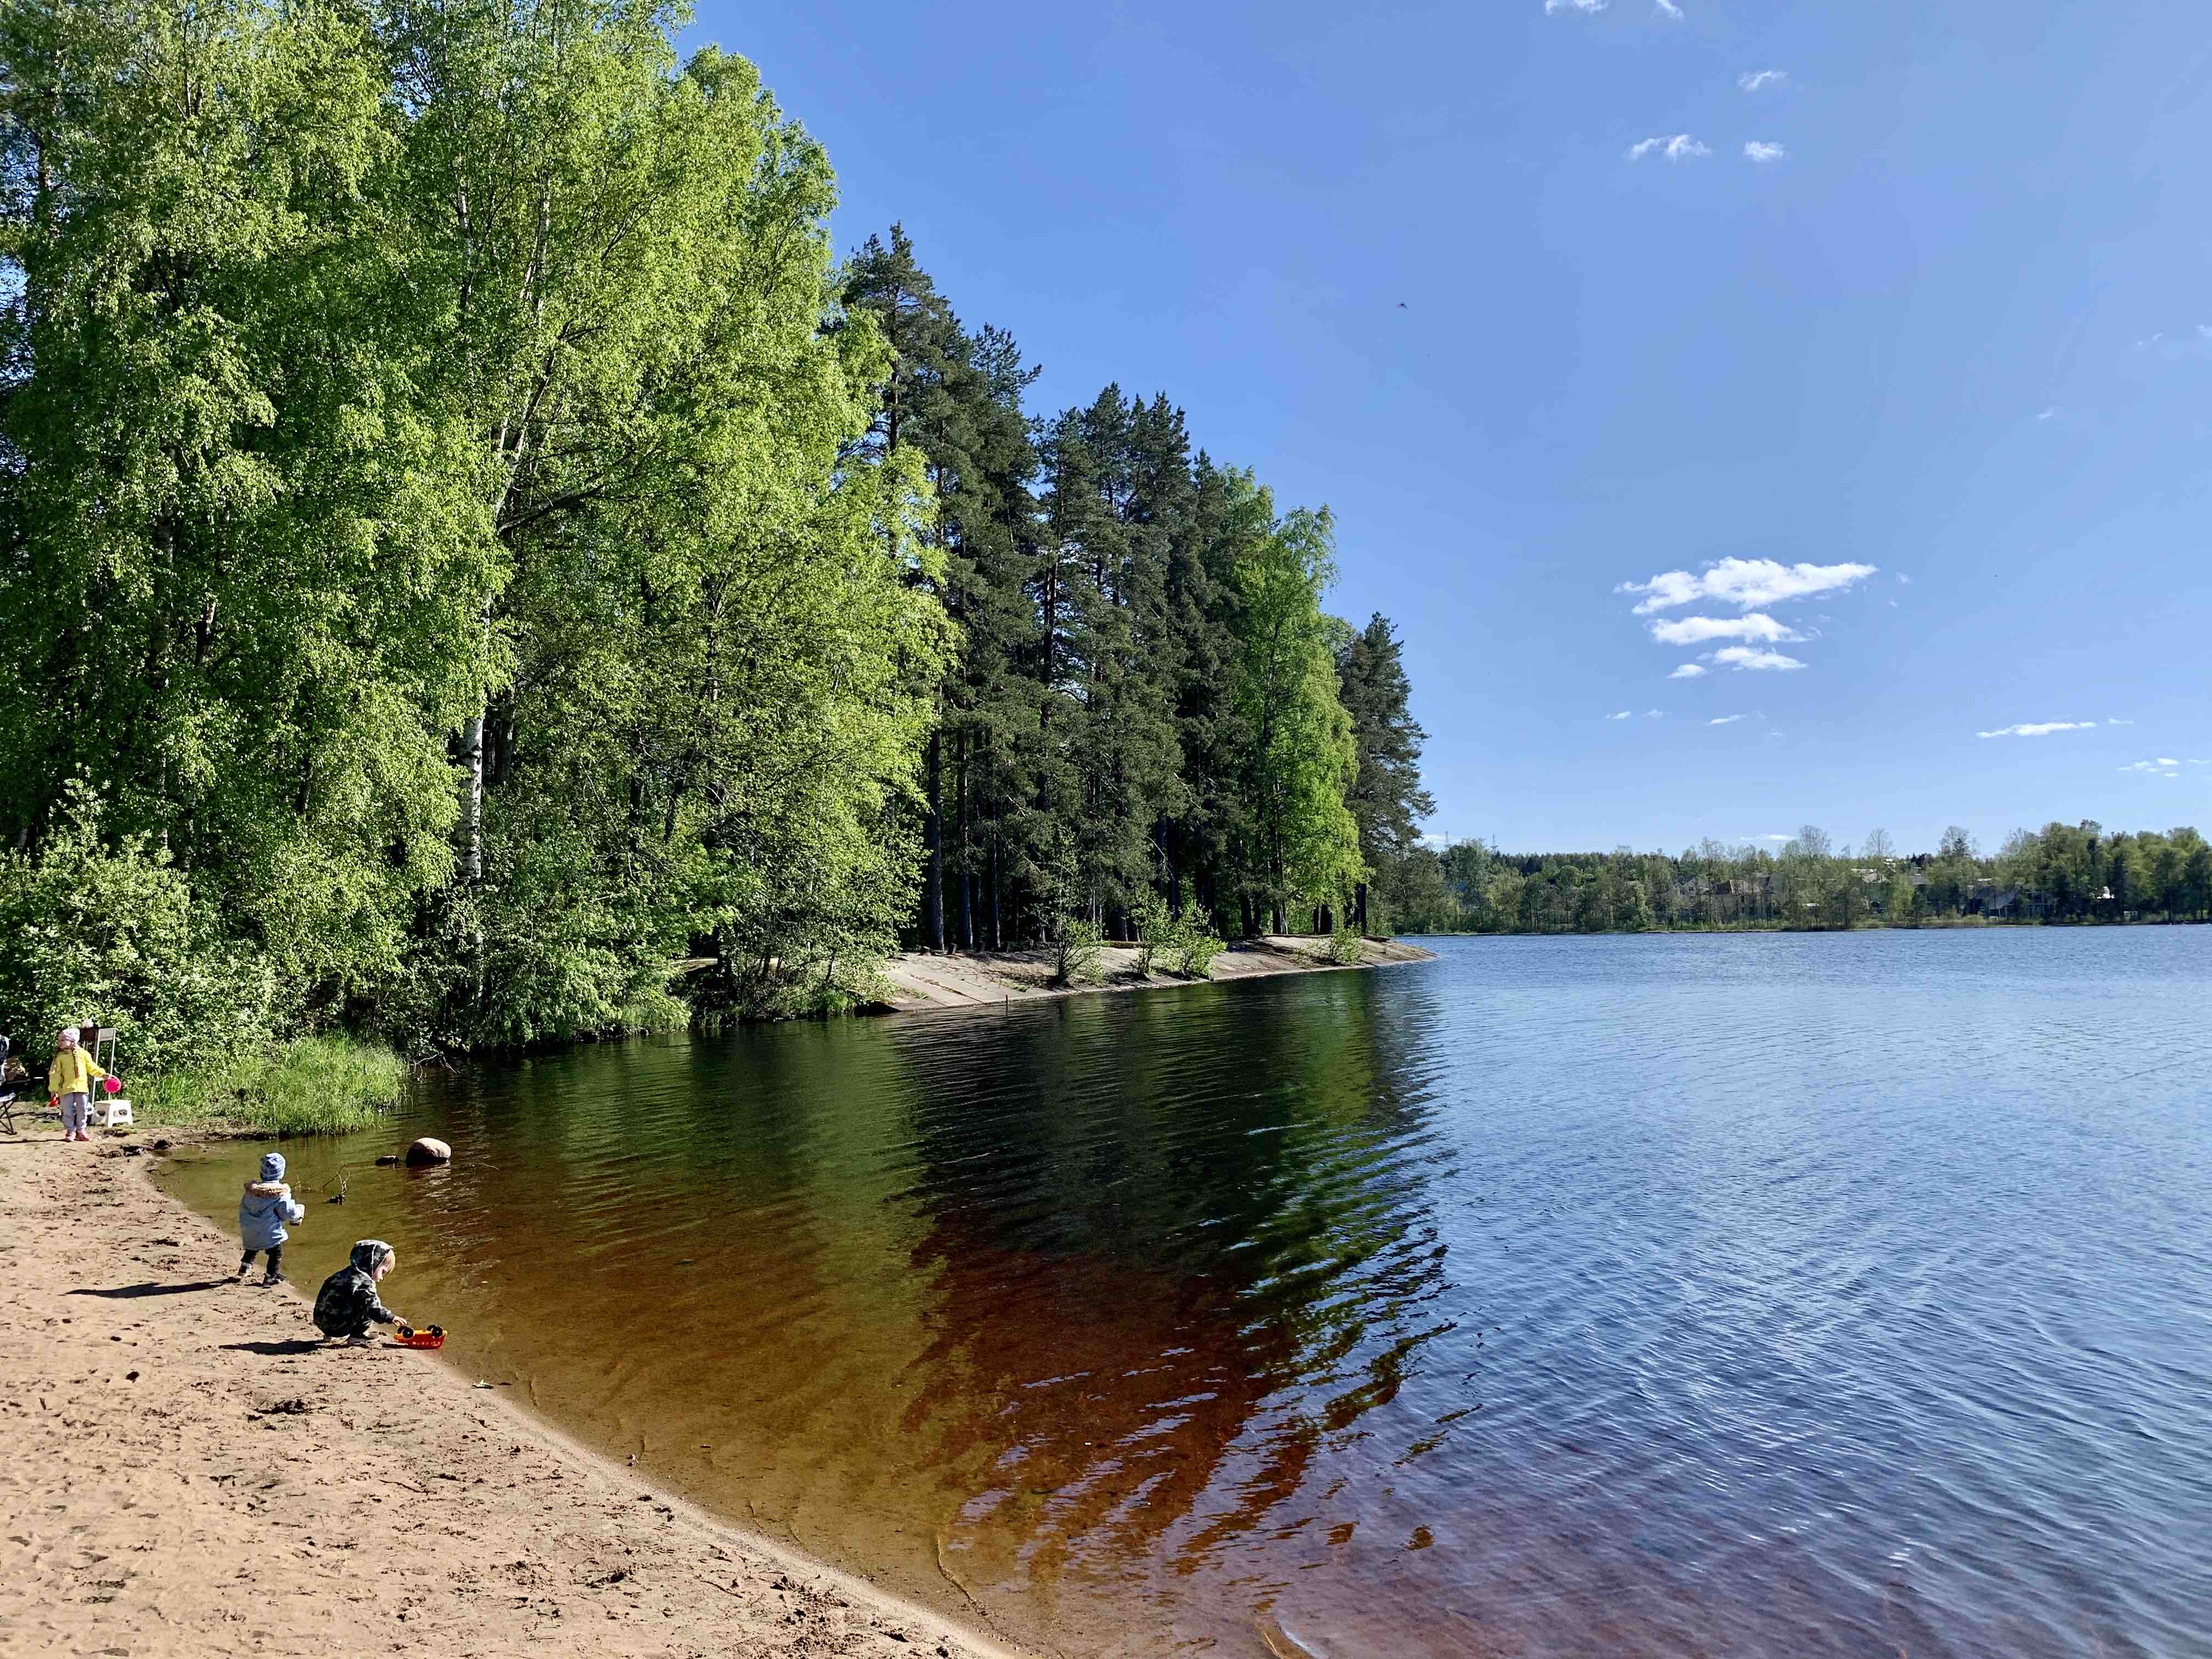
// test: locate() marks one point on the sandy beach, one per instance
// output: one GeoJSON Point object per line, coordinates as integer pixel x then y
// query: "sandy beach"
{"type": "Point", "coordinates": [188, 1470]}
{"type": "Point", "coordinates": [990, 979]}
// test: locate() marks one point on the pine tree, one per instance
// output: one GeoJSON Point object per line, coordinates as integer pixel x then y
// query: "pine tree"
{"type": "Point", "coordinates": [1386, 799]}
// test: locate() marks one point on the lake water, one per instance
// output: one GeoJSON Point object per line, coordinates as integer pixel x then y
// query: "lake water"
{"type": "Point", "coordinates": [1713, 1295]}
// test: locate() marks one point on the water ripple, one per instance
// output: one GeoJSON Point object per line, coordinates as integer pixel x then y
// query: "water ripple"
{"type": "Point", "coordinates": [1689, 1295]}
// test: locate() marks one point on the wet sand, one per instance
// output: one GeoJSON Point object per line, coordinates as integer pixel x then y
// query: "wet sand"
{"type": "Point", "coordinates": [188, 1470]}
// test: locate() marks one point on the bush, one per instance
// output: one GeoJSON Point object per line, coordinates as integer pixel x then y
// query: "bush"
{"type": "Point", "coordinates": [1182, 944]}
{"type": "Point", "coordinates": [1345, 947]}
{"type": "Point", "coordinates": [117, 936]}
{"type": "Point", "coordinates": [1075, 952]}
{"type": "Point", "coordinates": [1196, 950]}
{"type": "Point", "coordinates": [1156, 929]}
{"type": "Point", "coordinates": [310, 1086]}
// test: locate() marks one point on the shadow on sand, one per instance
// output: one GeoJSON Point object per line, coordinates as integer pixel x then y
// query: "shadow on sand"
{"type": "Point", "coordinates": [123, 1292]}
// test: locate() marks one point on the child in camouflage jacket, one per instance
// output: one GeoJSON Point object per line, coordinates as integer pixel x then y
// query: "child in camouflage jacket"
{"type": "Point", "coordinates": [347, 1304]}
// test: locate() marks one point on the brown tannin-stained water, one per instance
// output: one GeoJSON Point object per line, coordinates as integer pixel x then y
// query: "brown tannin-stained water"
{"type": "Point", "coordinates": [1743, 1295]}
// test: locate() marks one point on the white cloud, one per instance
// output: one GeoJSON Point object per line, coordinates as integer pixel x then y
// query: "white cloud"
{"type": "Point", "coordinates": [1622, 715]}
{"type": "Point", "coordinates": [1688, 671]}
{"type": "Point", "coordinates": [1553, 7]}
{"type": "Point", "coordinates": [1740, 657]}
{"type": "Point", "coordinates": [1726, 720]}
{"type": "Point", "coordinates": [1758, 149]}
{"type": "Point", "coordinates": [2164, 762]}
{"type": "Point", "coordinates": [2163, 768]}
{"type": "Point", "coordinates": [2115, 722]}
{"type": "Point", "coordinates": [1759, 79]}
{"type": "Point", "coordinates": [1696, 630]}
{"type": "Point", "coordinates": [1746, 582]}
{"type": "Point", "coordinates": [1906, 580]}
{"type": "Point", "coordinates": [2039, 728]}
{"type": "Point", "coordinates": [1680, 148]}
{"type": "Point", "coordinates": [2051, 413]}
{"type": "Point", "coordinates": [1670, 10]}
{"type": "Point", "coordinates": [1654, 714]}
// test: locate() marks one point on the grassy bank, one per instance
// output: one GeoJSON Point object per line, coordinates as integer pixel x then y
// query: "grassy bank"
{"type": "Point", "coordinates": [307, 1085]}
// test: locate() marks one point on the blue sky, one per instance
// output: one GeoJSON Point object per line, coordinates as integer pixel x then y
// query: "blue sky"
{"type": "Point", "coordinates": [1949, 351]}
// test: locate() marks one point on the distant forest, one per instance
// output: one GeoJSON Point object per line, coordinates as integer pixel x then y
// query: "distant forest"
{"type": "Point", "coordinates": [2062, 873]}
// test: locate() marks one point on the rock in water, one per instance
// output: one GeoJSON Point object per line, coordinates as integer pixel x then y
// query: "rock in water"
{"type": "Point", "coordinates": [429, 1150]}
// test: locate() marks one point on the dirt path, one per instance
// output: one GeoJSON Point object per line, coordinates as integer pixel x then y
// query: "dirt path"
{"type": "Point", "coordinates": [186, 1472]}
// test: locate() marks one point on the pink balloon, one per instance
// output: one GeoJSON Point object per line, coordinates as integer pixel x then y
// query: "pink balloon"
{"type": "Point", "coordinates": [113, 1085]}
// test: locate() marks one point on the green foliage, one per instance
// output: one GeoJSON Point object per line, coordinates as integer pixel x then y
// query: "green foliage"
{"type": "Point", "coordinates": [1386, 798]}
{"type": "Point", "coordinates": [1156, 929]}
{"type": "Point", "coordinates": [1183, 945]}
{"type": "Point", "coordinates": [1345, 947]}
{"type": "Point", "coordinates": [483, 552]}
{"type": "Point", "coordinates": [116, 937]}
{"type": "Point", "coordinates": [1075, 952]}
{"type": "Point", "coordinates": [1196, 949]}
{"type": "Point", "coordinates": [434, 509]}
{"type": "Point", "coordinates": [310, 1086]}
{"type": "Point", "coordinates": [1296, 751]}
{"type": "Point", "coordinates": [2062, 873]}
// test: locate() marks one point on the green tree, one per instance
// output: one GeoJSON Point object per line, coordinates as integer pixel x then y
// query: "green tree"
{"type": "Point", "coordinates": [1386, 799]}
{"type": "Point", "coordinates": [1299, 759]}
{"type": "Point", "coordinates": [956, 399]}
{"type": "Point", "coordinates": [238, 593]}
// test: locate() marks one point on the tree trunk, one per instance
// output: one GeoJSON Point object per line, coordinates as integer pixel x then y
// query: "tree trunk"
{"type": "Point", "coordinates": [472, 782]}
{"type": "Point", "coordinates": [998, 928]}
{"type": "Point", "coordinates": [933, 896]}
{"type": "Point", "coordinates": [966, 931]}
{"type": "Point", "coordinates": [1359, 908]}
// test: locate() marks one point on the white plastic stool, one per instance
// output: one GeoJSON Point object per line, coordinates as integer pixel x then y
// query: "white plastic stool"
{"type": "Point", "coordinates": [118, 1111]}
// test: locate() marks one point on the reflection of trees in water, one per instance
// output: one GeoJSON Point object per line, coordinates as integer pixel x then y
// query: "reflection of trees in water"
{"type": "Point", "coordinates": [1083, 1405]}
{"type": "Point", "coordinates": [1178, 1244]}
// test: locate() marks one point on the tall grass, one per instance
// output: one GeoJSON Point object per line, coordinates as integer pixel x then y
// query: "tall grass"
{"type": "Point", "coordinates": [306, 1085]}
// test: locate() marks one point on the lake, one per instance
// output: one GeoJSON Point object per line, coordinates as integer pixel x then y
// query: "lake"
{"type": "Point", "coordinates": [1690, 1294]}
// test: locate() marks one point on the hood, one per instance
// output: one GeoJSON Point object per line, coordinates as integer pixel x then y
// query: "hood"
{"type": "Point", "coordinates": [272, 1166]}
{"type": "Point", "coordinates": [368, 1253]}
{"type": "Point", "coordinates": [267, 1189]}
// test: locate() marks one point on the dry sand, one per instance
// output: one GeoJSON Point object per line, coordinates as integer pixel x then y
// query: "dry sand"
{"type": "Point", "coordinates": [186, 1471]}
{"type": "Point", "coordinates": [955, 979]}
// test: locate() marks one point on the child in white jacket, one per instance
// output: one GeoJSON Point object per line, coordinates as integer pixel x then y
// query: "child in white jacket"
{"type": "Point", "coordinates": [263, 1213]}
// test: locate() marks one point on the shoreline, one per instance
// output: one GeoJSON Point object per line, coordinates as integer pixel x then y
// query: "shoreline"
{"type": "Point", "coordinates": [191, 1473]}
{"type": "Point", "coordinates": [934, 980]}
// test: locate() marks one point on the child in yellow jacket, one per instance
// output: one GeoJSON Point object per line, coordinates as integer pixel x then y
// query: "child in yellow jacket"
{"type": "Point", "coordinates": [69, 1081]}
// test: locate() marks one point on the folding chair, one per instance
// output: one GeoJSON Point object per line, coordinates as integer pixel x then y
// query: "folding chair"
{"type": "Point", "coordinates": [15, 1080]}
